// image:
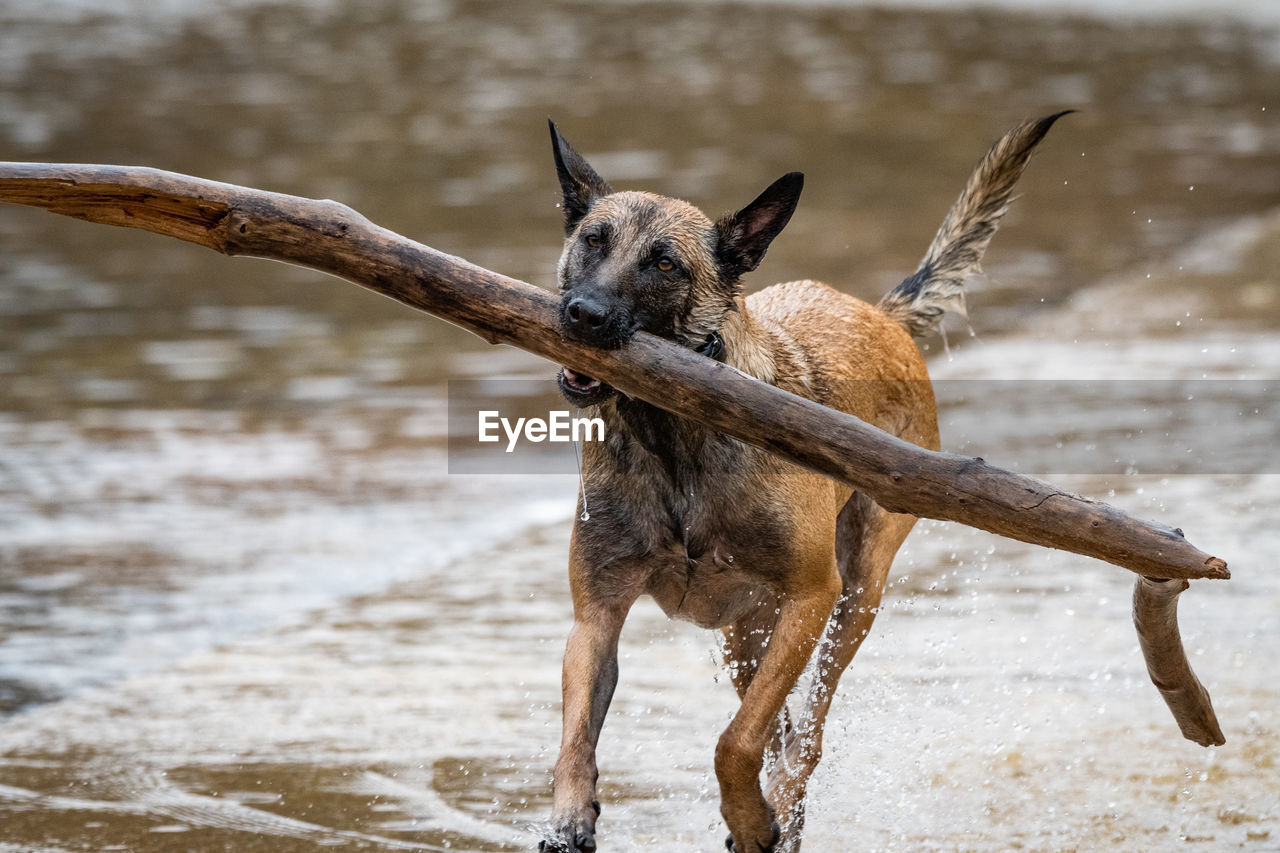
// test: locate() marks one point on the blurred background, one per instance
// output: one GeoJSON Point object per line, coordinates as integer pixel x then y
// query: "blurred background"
{"type": "Point", "coordinates": [244, 605]}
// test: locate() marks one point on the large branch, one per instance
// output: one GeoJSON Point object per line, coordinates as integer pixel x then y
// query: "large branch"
{"type": "Point", "coordinates": [901, 477]}
{"type": "Point", "coordinates": [1155, 615]}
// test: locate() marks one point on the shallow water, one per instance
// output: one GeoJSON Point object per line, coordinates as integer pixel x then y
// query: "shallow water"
{"type": "Point", "coordinates": [244, 604]}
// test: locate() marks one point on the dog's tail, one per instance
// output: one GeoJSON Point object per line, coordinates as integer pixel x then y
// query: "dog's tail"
{"type": "Point", "coordinates": [938, 284]}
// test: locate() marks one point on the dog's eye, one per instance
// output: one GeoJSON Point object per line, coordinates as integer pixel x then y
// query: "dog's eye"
{"type": "Point", "coordinates": [593, 240]}
{"type": "Point", "coordinates": [666, 264]}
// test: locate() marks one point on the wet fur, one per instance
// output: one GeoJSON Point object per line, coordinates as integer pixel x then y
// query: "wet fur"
{"type": "Point", "coordinates": [718, 532]}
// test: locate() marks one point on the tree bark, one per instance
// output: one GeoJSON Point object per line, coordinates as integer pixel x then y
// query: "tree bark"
{"type": "Point", "coordinates": [901, 477]}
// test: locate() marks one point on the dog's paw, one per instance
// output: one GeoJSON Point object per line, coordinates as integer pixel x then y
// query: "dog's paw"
{"type": "Point", "coordinates": [775, 834]}
{"type": "Point", "coordinates": [582, 843]}
{"type": "Point", "coordinates": [572, 836]}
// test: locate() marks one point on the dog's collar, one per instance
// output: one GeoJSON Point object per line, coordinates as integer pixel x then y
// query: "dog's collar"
{"type": "Point", "coordinates": [712, 347]}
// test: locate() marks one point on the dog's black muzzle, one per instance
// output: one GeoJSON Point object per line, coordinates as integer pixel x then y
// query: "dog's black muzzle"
{"type": "Point", "coordinates": [595, 318]}
{"type": "Point", "coordinates": [587, 318]}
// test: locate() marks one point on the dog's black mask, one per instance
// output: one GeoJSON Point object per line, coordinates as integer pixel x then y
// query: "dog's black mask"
{"type": "Point", "coordinates": [595, 316]}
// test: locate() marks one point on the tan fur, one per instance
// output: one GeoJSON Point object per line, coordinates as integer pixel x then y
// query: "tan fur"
{"type": "Point", "coordinates": [720, 533]}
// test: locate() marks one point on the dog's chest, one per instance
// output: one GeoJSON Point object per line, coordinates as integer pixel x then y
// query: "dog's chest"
{"type": "Point", "coordinates": [711, 589]}
{"type": "Point", "coordinates": [692, 526]}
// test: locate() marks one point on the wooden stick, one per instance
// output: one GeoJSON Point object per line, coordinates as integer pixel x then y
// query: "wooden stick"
{"type": "Point", "coordinates": [1155, 615]}
{"type": "Point", "coordinates": [901, 477]}
{"type": "Point", "coordinates": [332, 238]}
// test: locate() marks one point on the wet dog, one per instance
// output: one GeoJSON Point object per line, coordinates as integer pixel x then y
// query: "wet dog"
{"type": "Point", "coordinates": [719, 533]}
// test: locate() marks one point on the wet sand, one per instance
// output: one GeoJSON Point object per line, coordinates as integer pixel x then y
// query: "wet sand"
{"type": "Point", "coordinates": [244, 605]}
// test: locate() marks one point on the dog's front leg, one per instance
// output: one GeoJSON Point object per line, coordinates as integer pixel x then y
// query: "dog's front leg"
{"type": "Point", "coordinates": [740, 752]}
{"type": "Point", "coordinates": [587, 682]}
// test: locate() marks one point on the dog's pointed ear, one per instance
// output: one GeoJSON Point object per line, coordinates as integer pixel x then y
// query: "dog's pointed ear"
{"type": "Point", "coordinates": [578, 181]}
{"type": "Point", "coordinates": [745, 235]}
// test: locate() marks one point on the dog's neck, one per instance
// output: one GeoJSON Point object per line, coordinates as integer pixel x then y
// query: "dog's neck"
{"type": "Point", "coordinates": [760, 351]}
{"type": "Point", "coordinates": [748, 346]}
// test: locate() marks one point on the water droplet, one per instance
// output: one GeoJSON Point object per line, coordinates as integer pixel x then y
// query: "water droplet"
{"type": "Point", "coordinates": [586, 516]}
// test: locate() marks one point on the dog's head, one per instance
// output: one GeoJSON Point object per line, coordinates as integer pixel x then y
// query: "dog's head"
{"type": "Point", "coordinates": [637, 261]}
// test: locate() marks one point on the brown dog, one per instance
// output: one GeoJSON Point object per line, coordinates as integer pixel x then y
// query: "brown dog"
{"type": "Point", "coordinates": [716, 531]}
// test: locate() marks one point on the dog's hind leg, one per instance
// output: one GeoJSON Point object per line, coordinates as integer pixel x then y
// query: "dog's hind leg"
{"type": "Point", "coordinates": [867, 539]}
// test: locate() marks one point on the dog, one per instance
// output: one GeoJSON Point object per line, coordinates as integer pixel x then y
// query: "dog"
{"type": "Point", "coordinates": [720, 533]}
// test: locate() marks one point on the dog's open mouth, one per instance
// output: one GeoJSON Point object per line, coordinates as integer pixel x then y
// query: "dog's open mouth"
{"type": "Point", "coordinates": [582, 390]}
{"type": "Point", "coordinates": [578, 382]}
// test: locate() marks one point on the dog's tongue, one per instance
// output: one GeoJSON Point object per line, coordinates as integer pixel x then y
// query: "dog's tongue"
{"type": "Point", "coordinates": [578, 380]}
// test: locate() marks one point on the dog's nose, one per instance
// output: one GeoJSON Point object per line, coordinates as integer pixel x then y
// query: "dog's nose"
{"type": "Point", "coordinates": [585, 315]}
{"type": "Point", "coordinates": [596, 318]}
